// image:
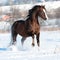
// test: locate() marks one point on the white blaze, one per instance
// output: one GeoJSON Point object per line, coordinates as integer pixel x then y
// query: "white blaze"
{"type": "Point", "coordinates": [41, 20]}
{"type": "Point", "coordinates": [46, 17]}
{"type": "Point", "coordinates": [45, 13]}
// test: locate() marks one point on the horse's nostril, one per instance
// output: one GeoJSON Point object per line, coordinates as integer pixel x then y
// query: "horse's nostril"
{"type": "Point", "coordinates": [45, 18]}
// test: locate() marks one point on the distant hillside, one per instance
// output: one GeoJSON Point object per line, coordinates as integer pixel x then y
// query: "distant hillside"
{"type": "Point", "coordinates": [16, 2]}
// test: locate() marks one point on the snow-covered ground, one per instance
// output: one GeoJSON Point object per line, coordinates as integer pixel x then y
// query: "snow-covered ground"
{"type": "Point", "coordinates": [49, 47]}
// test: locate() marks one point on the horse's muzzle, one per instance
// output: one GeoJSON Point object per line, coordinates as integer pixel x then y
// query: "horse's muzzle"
{"type": "Point", "coordinates": [45, 19]}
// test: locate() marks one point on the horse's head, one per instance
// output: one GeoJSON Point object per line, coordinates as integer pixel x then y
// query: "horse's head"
{"type": "Point", "coordinates": [38, 10]}
{"type": "Point", "coordinates": [42, 12]}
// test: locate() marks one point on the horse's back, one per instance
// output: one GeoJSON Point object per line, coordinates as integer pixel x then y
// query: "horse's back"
{"type": "Point", "coordinates": [18, 22]}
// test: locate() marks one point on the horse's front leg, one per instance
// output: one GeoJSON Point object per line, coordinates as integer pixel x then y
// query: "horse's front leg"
{"type": "Point", "coordinates": [33, 44]}
{"type": "Point", "coordinates": [37, 37]}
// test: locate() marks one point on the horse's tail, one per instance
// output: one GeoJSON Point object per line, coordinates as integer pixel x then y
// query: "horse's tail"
{"type": "Point", "coordinates": [13, 27]}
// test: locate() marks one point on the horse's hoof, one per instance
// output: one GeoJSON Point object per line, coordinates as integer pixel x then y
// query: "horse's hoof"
{"type": "Point", "coordinates": [38, 45]}
{"type": "Point", "coordinates": [33, 44]}
{"type": "Point", "coordinates": [13, 43]}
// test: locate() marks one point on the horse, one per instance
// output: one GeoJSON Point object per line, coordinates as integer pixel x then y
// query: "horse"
{"type": "Point", "coordinates": [30, 26]}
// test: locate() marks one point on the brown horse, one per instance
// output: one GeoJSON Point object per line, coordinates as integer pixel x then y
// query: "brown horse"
{"type": "Point", "coordinates": [30, 26]}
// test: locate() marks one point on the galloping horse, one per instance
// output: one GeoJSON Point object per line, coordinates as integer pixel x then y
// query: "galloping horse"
{"type": "Point", "coordinates": [30, 26]}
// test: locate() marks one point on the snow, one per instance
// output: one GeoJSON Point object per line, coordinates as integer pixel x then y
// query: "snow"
{"type": "Point", "coordinates": [49, 47]}
{"type": "Point", "coordinates": [27, 56]}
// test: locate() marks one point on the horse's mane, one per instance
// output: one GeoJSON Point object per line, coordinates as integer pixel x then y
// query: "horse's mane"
{"type": "Point", "coordinates": [34, 9]}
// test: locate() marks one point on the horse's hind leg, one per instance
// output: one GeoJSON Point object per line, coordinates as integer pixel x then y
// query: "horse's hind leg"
{"type": "Point", "coordinates": [37, 37]}
{"type": "Point", "coordinates": [14, 35]}
{"type": "Point", "coordinates": [22, 40]}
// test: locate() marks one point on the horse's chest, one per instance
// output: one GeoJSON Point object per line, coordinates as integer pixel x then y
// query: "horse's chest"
{"type": "Point", "coordinates": [35, 27]}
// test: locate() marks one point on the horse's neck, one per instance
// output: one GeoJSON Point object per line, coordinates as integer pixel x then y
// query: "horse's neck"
{"type": "Point", "coordinates": [34, 18]}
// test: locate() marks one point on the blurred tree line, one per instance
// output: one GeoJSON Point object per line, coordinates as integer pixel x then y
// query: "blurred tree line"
{"type": "Point", "coordinates": [15, 2]}
{"type": "Point", "coordinates": [54, 13]}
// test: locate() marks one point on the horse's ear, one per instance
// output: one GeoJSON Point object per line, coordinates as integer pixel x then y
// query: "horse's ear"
{"type": "Point", "coordinates": [43, 6]}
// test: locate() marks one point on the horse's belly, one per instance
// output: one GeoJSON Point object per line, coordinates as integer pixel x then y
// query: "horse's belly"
{"type": "Point", "coordinates": [21, 31]}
